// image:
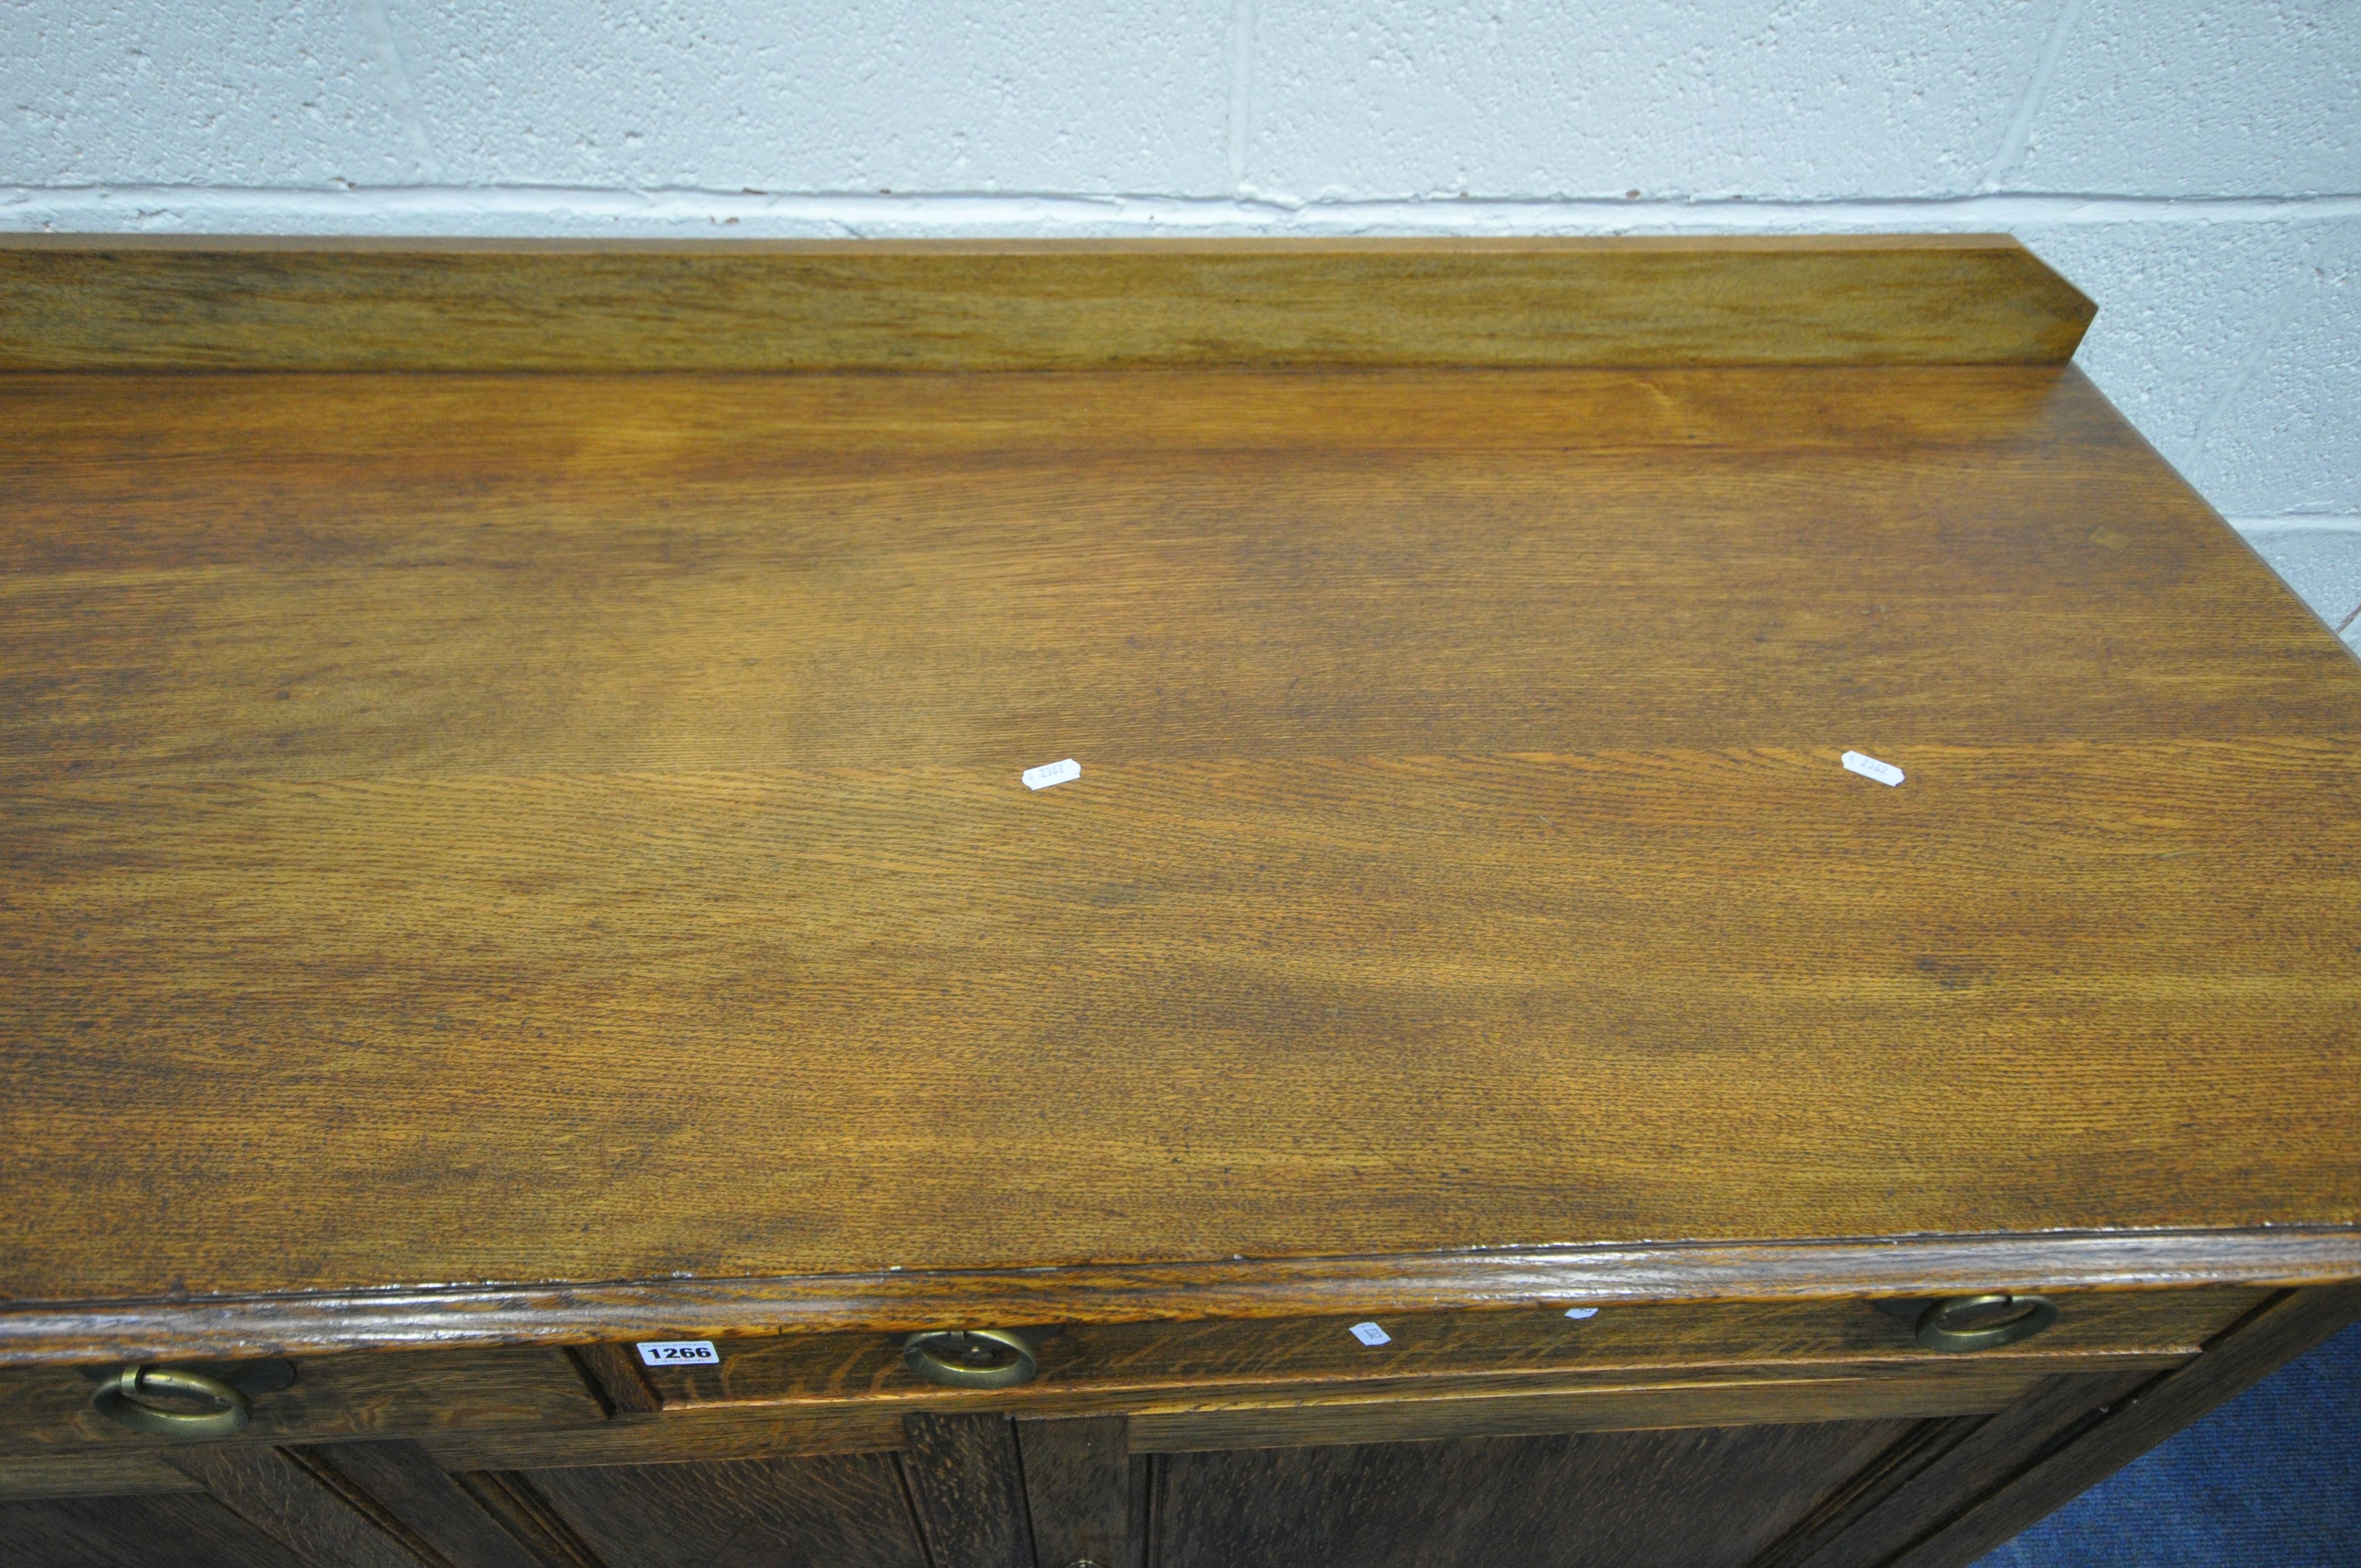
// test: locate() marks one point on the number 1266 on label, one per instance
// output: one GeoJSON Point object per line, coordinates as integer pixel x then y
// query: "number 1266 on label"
{"type": "Point", "coordinates": [678, 1353]}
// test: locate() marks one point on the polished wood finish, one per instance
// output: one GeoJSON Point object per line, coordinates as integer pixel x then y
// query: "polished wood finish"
{"type": "Point", "coordinates": [404, 1480]}
{"type": "Point", "coordinates": [1184, 1415]}
{"type": "Point", "coordinates": [1697, 1499]}
{"type": "Point", "coordinates": [117, 302]}
{"type": "Point", "coordinates": [1669, 1272]}
{"type": "Point", "coordinates": [1436, 1350]}
{"type": "Point", "coordinates": [1078, 1491]}
{"type": "Point", "coordinates": [502, 865]}
{"type": "Point", "coordinates": [1973, 1423]}
{"type": "Point", "coordinates": [301, 1504]}
{"type": "Point", "coordinates": [722, 1431]}
{"type": "Point", "coordinates": [1283, 1394]}
{"type": "Point", "coordinates": [1946, 1460]}
{"type": "Point", "coordinates": [844, 1511]}
{"type": "Point", "coordinates": [967, 1484]}
{"type": "Point", "coordinates": [102, 1473]}
{"type": "Point", "coordinates": [619, 1378]}
{"type": "Point", "coordinates": [127, 1532]}
{"type": "Point", "coordinates": [566, 731]}
{"type": "Point", "coordinates": [47, 1409]}
{"type": "Point", "coordinates": [1636, 1405]}
{"type": "Point", "coordinates": [527, 1515]}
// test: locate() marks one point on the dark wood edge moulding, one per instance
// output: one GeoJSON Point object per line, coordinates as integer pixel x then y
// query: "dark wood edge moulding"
{"type": "Point", "coordinates": [122, 302]}
{"type": "Point", "coordinates": [326, 1322]}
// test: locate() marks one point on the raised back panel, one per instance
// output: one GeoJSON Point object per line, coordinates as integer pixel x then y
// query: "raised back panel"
{"type": "Point", "coordinates": [112, 303]}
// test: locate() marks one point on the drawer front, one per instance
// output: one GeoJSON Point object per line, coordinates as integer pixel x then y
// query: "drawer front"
{"type": "Point", "coordinates": [386, 1394]}
{"type": "Point", "coordinates": [1147, 1367]}
{"type": "Point", "coordinates": [1633, 1404]}
{"type": "Point", "coordinates": [1133, 1364]}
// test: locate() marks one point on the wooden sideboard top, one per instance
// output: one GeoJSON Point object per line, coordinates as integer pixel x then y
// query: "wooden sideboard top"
{"type": "Point", "coordinates": [114, 303]}
{"type": "Point", "coordinates": [514, 856]}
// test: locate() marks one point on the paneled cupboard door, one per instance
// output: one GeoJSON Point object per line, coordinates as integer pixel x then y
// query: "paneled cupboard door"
{"type": "Point", "coordinates": [829, 1511]}
{"type": "Point", "coordinates": [186, 1530]}
{"type": "Point", "coordinates": [1705, 1497]}
{"type": "Point", "coordinates": [1876, 1465]}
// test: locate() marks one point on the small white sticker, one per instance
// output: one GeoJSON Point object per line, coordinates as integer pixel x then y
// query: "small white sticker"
{"type": "Point", "coordinates": [1049, 773]}
{"type": "Point", "coordinates": [1871, 768]}
{"type": "Point", "coordinates": [1579, 1313]}
{"type": "Point", "coordinates": [679, 1353]}
{"type": "Point", "coordinates": [1369, 1333]}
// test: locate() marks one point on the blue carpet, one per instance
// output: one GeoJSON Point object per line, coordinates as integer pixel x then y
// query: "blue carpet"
{"type": "Point", "coordinates": [2273, 1477]}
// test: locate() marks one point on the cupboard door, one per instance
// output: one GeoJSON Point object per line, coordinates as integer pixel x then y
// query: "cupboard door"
{"type": "Point", "coordinates": [831, 1512]}
{"type": "Point", "coordinates": [182, 1530]}
{"type": "Point", "coordinates": [1700, 1498]}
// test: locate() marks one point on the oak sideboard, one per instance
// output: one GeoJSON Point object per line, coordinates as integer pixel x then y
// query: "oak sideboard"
{"type": "Point", "coordinates": [1696, 914]}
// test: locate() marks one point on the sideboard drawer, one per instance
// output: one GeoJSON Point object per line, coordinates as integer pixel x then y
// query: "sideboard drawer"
{"type": "Point", "coordinates": [384, 1394]}
{"type": "Point", "coordinates": [1437, 1352]}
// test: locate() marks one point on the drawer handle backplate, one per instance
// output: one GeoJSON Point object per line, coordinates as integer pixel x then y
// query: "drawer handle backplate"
{"type": "Point", "coordinates": [121, 1397]}
{"type": "Point", "coordinates": [969, 1358]}
{"type": "Point", "coordinates": [1942, 1325]}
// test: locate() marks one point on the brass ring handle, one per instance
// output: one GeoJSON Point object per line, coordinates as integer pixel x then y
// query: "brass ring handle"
{"type": "Point", "coordinates": [969, 1358]}
{"type": "Point", "coordinates": [120, 1398]}
{"type": "Point", "coordinates": [1937, 1330]}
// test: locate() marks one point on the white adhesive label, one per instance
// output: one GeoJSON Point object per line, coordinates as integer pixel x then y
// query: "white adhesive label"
{"type": "Point", "coordinates": [679, 1353]}
{"type": "Point", "coordinates": [1369, 1333]}
{"type": "Point", "coordinates": [1049, 773]}
{"type": "Point", "coordinates": [1871, 768]}
{"type": "Point", "coordinates": [1578, 1313]}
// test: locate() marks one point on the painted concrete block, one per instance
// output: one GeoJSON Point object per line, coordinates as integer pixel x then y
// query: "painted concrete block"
{"type": "Point", "coordinates": [2181, 98]}
{"type": "Point", "coordinates": [1753, 98]}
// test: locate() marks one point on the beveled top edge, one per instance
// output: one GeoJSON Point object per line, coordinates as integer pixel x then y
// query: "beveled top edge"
{"type": "Point", "coordinates": [252, 302]}
{"type": "Point", "coordinates": [33, 1333]}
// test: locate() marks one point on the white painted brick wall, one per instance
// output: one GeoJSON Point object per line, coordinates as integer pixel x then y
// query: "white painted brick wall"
{"type": "Point", "coordinates": [2196, 167]}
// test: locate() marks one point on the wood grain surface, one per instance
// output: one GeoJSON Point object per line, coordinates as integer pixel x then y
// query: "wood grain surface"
{"type": "Point", "coordinates": [102, 1474]}
{"type": "Point", "coordinates": [404, 1481]}
{"type": "Point", "coordinates": [510, 1498]}
{"type": "Point", "coordinates": [967, 1488]}
{"type": "Point", "coordinates": [83, 301]}
{"type": "Point", "coordinates": [714, 1432]}
{"type": "Point", "coordinates": [1694, 1395]}
{"type": "Point", "coordinates": [844, 1511]}
{"type": "Point", "coordinates": [510, 830]}
{"type": "Point", "coordinates": [1917, 1393]}
{"type": "Point", "coordinates": [1077, 1486]}
{"type": "Point", "coordinates": [311, 1510]}
{"type": "Point", "coordinates": [1698, 1500]}
{"type": "Point", "coordinates": [123, 1532]}
{"type": "Point", "coordinates": [1437, 1349]}
{"type": "Point", "coordinates": [49, 1409]}
{"type": "Point", "coordinates": [136, 1329]}
{"type": "Point", "coordinates": [1926, 1482]}
{"type": "Point", "coordinates": [618, 1378]}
